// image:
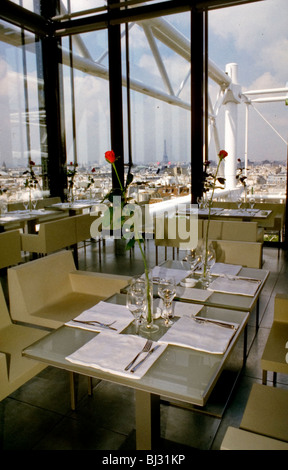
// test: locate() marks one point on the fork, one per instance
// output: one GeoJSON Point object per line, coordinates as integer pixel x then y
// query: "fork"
{"type": "Point", "coordinates": [146, 348]}
{"type": "Point", "coordinates": [95, 323]}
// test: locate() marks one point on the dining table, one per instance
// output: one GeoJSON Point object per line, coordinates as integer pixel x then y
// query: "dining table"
{"type": "Point", "coordinates": [184, 363]}
{"type": "Point", "coordinates": [77, 206]}
{"type": "Point", "coordinates": [26, 219]}
{"type": "Point", "coordinates": [219, 213]}
{"type": "Point", "coordinates": [232, 286]}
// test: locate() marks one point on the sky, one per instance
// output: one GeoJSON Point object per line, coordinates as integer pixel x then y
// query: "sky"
{"type": "Point", "coordinates": [255, 36]}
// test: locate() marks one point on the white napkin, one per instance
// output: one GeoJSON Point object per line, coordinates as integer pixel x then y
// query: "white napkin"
{"type": "Point", "coordinates": [207, 337]}
{"type": "Point", "coordinates": [190, 293]}
{"type": "Point", "coordinates": [181, 309]}
{"type": "Point", "coordinates": [235, 286]}
{"type": "Point", "coordinates": [177, 274]}
{"type": "Point", "coordinates": [104, 312]}
{"type": "Point", "coordinates": [112, 353]}
{"type": "Point", "coordinates": [223, 268]}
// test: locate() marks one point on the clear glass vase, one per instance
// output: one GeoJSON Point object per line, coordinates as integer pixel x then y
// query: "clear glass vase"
{"type": "Point", "coordinates": [208, 261]}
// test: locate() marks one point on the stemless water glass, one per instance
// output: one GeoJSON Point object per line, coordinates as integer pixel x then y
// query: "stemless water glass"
{"type": "Point", "coordinates": [167, 292]}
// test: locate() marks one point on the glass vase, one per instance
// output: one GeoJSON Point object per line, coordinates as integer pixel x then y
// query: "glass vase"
{"type": "Point", "coordinates": [208, 261]}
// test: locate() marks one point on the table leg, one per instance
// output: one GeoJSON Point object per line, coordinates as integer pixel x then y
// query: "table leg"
{"type": "Point", "coordinates": [147, 420]}
{"type": "Point", "coordinates": [72, 391]}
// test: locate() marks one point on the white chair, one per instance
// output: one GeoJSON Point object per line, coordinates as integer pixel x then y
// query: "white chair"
{"type": "Point", "coordinates": [15, 369]}
{"type": "Point", "coordinates": [274, 357]}
{"type": "Point", "coordinates": [10, 248]}
{"type": "Point", "coordinates": [50, 291]}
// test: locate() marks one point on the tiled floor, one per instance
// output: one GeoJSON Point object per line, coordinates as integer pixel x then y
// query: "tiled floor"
{"type": "Point", "coordinates": [38, 415]}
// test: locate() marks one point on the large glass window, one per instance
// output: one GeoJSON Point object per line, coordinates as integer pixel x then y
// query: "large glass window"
{"type": "Point", "coordinates": [159, 58]}
{"type": "Point", "coordinates": [253, 54]}
{"type": "Point", "coordinates": [23, 126]}
{"type": "Point", "coordinates": [86, 85]}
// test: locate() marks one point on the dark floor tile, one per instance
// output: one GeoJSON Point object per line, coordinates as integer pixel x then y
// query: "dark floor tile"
{"type": "Point", "coordinates": [24, 425]}
{"type": "Point", "coordinates": [80, 434]}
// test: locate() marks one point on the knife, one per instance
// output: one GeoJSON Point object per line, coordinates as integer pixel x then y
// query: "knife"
{"type": "Point", "coordinates": [144, 359]}
{"type": "Point", "coordinates": [216, 322]}
{"type": "Point", "coordinates": [96, 323]}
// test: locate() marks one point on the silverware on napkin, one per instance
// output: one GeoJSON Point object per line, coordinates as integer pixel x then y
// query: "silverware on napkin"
{"type": "Point", "coordinates": [216, 322]}
{"type": "Point", "coordinates": [96, 323]}
{"type": "Point", "coordinates": [147, 346]}
{"type": "Point", "coordinates": [144, 359]}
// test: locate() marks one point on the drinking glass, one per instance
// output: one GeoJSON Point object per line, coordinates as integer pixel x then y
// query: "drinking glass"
{"type": "Point", "coordinates": [34, 203]}
{"type": "Point", "coordinates": [167, 292]}
{"type": "Point", "coordinates": [135, 303]}
{"type": "Point", "coordinates": [193, 257]}
{"type": "Point", "coordinates": [26, 204]}
{"type": "Point", "coordinates": [252, 202]}
{"type": "Point", "coordinates": [239, 202]}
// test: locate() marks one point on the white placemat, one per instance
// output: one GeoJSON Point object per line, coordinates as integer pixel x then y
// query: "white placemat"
{"type": "Point", "coordinates": [162, 272]}
{"type": "Point", "coordinates": [223, 268]}
{"type": "Point", "coordinates": [191, 293]}
{"type": "Point", "coordinates": [105, 313]}
{"type": "Point", "coordinates": [112, 353]}
{"type": "Point", "coordinates": [202, 336]}
{"type": "Point", "coordinates": [181, 309]}
{"type": "Point", "coordinates": [235, 286]}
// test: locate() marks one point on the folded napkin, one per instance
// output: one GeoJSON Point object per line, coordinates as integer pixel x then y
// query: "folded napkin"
{"type": "Point", "coordinates": [223, 268]}
{"type": "Point", "coordinates": [180, 309]}
{"type": "Point", "coordinates": [202, 336]}
{"type": "Point", "coordinates": [105, 313]}
{"type": "Point", "coordinates": [190, 293]}
{"type": "Point", "coordinates": [239, 286]}
{"type": "Point", "coordinates": [112, 353]}
{"type": "Point", "coordinates": [162, 272]}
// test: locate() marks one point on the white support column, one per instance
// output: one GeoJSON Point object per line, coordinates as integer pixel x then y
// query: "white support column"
{"type": "Point", "coordinates": [233, 97]}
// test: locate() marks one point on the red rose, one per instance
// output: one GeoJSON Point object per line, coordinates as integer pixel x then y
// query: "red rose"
{"type": "Point", "coordinates": [110, 156]}
{"type": "Point", "coordinates": [222, 154]}
{"type": "Point", "coordinates": [93, 170]}
{"type": "Point", "coordinates": [31, 163]}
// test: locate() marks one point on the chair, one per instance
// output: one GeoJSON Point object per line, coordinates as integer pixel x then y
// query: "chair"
{"type": "Point", "coordinates": [83, 225]}
{"type": "Point", "coordinates": [52, 236]}
{"type": "Point", "coordinates": [266, 412]}
{"type": "Point", "coordinates": [274, 356]}
{"type": "Point", "coordinates": [234, 230]}
{"type": "Point", "coordinates": [181, 232]}
{"type": "Point", "coordinates": [239, 439]}
{"type": "Point", "coordinates": [274, 223]}
{"type": "Point", "coordinates": [10, 248]}
{"type": "Point", "coordinates": [264, 424]}
{"type": "Point", "coordinates": [246, 254]}
{"type": "Point", "coordinates": [15, 369]}
{"type": "Point", "coordinates": [49, 291]}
